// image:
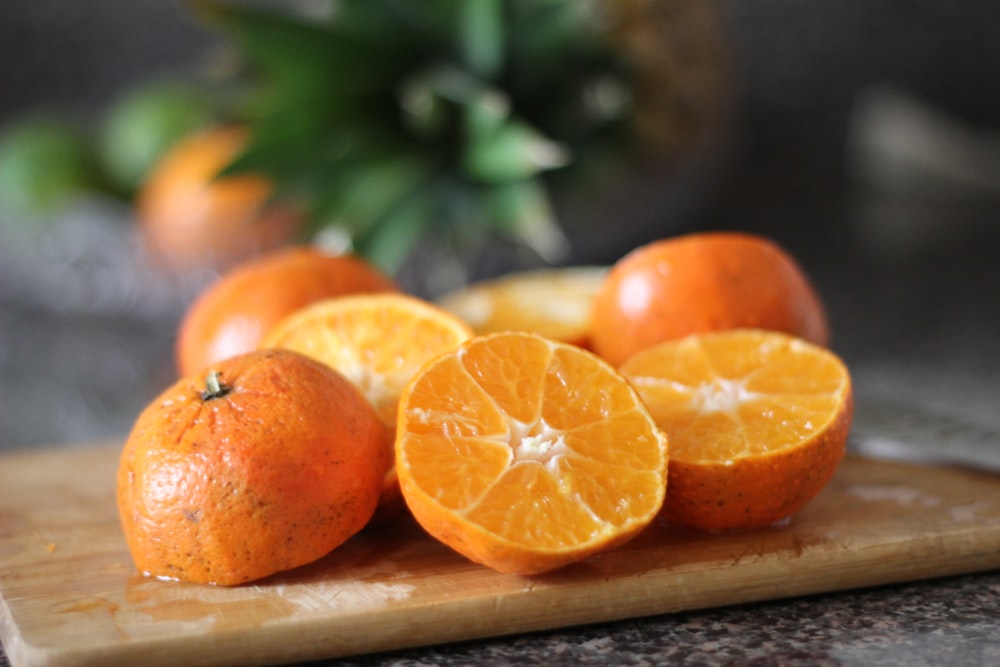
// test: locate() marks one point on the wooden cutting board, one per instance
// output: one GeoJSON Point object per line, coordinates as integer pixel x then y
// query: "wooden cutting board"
{"type": "Point", "coordinates": [69, 594]}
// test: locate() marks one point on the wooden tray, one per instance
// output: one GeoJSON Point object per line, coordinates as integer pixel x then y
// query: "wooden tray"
{"type": "Point", "coordinates": [69, 594]}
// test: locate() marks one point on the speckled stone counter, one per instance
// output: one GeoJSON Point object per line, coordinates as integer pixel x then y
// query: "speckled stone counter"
{"type": "Point", "coordinates": [948, 622]}
{"type": "Point", "coordinates": [953, 622]}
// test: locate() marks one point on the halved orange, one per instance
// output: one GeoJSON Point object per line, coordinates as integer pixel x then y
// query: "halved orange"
{"type": "Point", "coordinates": [757, 421]}
{"type": "Point", "coordinates": [378, 341]}
{"type": "Point", "coordinates": [526, 454]}
{"type": "Point", "coordinates": [552, 302]}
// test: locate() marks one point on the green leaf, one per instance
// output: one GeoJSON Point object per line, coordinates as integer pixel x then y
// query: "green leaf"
{"type": "Point", "coordinates": [424, 112]}
{"type": "Point", "coordinates": [523, 211]}
{"type": "Point", "coordinates": [281, 44]}
{"type": "Point", "coordinates": [481, 36]}
{"type": "Point", "coordinates": [414, 26]}
{"type": "Point", "coordinates": [305, 56]}
{"type": "Point", "coordinates": [486, 113]}
{"type": "Point", "coordinates": [372, 190]}
{"type": "Point", "coordinates": [450, 82]}
{"type": "Point", "coordinates": [278, 149]}
{"type": "Point", "coordinates": [560, 59]}
{"type": "Point", "coordinates": [511, 151]}
{"type": "Point", "coordinates": [390, 242]}
{"type": "Point", "coordinates": [551, 29]}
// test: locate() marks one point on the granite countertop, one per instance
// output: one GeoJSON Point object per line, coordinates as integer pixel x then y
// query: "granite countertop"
{"type": "Point", "coordinates": [953, 621]}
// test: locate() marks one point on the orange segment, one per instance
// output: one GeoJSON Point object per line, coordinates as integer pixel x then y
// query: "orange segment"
{"type": "Point", "coordinates": [757, 421]}
{"type": "Point", "coordinates": [552, 302]}
{"type": "Point", "coordinates": [526, 454]}
{"type": "Point", "coordinates": [378, 341]}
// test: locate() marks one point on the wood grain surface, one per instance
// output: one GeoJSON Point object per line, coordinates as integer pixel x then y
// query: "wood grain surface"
{"type": "Point", "coordinates": [69, 594]}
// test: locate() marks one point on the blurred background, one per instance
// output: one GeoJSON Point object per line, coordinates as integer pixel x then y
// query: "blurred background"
{"type": "Point", "coordinates": [864, 137]}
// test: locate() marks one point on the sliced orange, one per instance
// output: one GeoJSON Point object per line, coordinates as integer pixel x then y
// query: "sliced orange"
{"type": "Point", "coordinates": [552, 302]}
{"type": "Point", "coordinates": [526, 454]}
{"type": "Point", "coordinates": [378, 341]}
{"type": "Point", "coordinates": [757, 421]}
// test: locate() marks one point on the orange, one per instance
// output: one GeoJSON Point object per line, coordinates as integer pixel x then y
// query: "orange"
{"type": "Point", "coordinates": [378, 341]}
{"type": "Point", "coordinates": [270, 463]}
{"type": "Point", "coordinates": [190, 219]}
{"type": "Point", "coordinates": [526, 454]}
{"type": "Point", "coordinates": [757, 421]}
{"type": "Point", "coordinates": [552, 302]}
{"type": "Point", "coordinates": [232, 315]}
{"type": "Point", "coordinates": [698, 283]}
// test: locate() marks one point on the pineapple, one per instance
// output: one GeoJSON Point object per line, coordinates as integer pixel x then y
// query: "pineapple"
{"type": "Point", "coordinates": [395, 121]}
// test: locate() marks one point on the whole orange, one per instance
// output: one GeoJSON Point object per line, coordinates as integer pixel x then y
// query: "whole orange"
{"type": "Point", "coordinates": [703, 282]}
{"type": "Point", "coordinates": [270, 463]}
{"type": "Point", "coordinates": [191, 218]}
{"type": "Point", "coordinates": [232, 315]}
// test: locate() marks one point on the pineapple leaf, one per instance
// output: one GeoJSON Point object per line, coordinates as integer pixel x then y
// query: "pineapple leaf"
{"type": "Point", "coordinates": [525, 213]}
{"type": "Point", "coordinates": [510, 151]}
{"type": "Point", "coordinates": [298, 56]}
{"type": "Point", "coordinates": [390, 241]}
{"type": "Point", "coordinates": [481, 36]}
{"type": "Point", "coordinates": [486, 113]}
{"type": "Point", "coordinates": [374, 188]}
{"type": "Point", "coordinates": [287, 48]}
{"type": "Point", "coordinates": [424, 26]}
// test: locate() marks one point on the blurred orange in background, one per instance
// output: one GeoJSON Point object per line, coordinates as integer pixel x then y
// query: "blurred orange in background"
{"type": "Point", "coordinates": [191, 218]}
